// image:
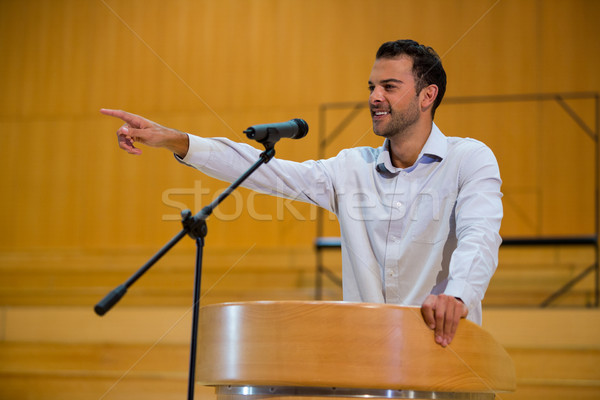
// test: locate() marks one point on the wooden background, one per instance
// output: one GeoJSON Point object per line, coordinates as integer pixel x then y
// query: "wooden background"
{"type": "Point", "coordinates": [78, 216]}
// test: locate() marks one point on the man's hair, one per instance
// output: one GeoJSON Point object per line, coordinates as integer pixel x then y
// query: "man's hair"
{"type": "Point", "coordinates": [427, 65]}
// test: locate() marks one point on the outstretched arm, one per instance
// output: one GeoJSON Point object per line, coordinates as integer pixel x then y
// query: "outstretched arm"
{"type": "Point", "coordinates": [141, 130]}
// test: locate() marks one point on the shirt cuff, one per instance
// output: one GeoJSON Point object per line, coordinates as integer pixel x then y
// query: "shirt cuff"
{"type": "Point", "coordinates": [199, 152]}
{"type": "Point", "coordinates": [463, 291]}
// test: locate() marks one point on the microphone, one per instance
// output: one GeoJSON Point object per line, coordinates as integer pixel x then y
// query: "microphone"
{"type": "Point", "coordinates": [271, 133]}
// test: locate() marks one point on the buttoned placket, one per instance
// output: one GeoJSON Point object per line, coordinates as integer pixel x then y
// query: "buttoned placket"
{"type": "Point", "coordinates": [395, 236]}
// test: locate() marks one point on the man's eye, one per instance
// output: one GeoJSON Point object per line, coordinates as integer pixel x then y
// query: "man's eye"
{"type": "Point", "coordinates": [371, 88]}
{"type": "Point", "coordinates": [389, 87]}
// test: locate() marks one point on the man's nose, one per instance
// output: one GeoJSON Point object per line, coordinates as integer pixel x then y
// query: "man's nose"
{"type": "Point", "coordinates": [376, 96]}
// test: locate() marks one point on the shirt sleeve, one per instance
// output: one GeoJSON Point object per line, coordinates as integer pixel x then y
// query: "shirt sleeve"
{"type": "Point", "coordinates": [310, 181]}
{"type": "Point", "coordinates": [478, 217]}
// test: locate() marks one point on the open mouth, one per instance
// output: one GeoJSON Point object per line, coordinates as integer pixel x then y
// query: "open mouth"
{"type": "Point", "coordinates": [378, 114]}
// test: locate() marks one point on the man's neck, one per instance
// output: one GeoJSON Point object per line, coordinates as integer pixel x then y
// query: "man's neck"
{"type": "Point", "coordinates": [405, 147]}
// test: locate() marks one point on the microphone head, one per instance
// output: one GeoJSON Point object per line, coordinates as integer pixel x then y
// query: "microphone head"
{"type": "Point", "coordinates": [302, 128]}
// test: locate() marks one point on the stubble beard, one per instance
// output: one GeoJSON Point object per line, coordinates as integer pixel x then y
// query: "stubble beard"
{"type": "Point", "coordinates": [400, 122]}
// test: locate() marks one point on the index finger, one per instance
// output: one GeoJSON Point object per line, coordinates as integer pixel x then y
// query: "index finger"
{"type": "Point", "coordinates": [428, 312]}
{"type": "Point", "coordinates": [134, 120]}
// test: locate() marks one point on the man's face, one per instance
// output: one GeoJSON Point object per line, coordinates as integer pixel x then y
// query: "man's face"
{"type": "Point", "coordinates": [394, 102]}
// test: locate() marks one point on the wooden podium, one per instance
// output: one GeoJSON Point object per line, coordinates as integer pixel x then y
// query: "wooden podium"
{"type": "Point", "coordinates": [319, 350]}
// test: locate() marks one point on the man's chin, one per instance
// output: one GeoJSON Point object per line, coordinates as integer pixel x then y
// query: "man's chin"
{"type": "Point", "coordinates": [377, 130]}
{"type": "Point", "coordinates": [382, 133]}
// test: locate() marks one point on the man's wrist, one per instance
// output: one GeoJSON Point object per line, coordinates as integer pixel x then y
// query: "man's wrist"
{"type": "Point", "coordinates": [178, 143]}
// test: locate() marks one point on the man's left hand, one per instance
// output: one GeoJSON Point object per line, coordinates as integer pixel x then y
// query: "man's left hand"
{"type": "Point", "coordinates": [442, 313]}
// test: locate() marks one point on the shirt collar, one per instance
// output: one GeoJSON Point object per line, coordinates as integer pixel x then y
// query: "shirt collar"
{"type": "Point", "coordinates": [435, 149]}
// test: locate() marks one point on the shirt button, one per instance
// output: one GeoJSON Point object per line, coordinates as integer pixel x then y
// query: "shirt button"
{"type": "Point", "coordinates": [400, 209]}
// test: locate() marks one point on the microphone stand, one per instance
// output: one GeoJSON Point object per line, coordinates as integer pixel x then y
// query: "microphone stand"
{"type": "Point", "coordinates": [195, 227]}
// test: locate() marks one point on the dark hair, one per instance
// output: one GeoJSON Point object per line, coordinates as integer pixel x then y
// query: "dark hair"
{"type": "Point", "coordinates": [427, 65]}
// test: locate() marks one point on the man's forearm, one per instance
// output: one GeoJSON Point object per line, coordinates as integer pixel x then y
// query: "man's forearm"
{"type": "Point", "coordinates": [178, 143]}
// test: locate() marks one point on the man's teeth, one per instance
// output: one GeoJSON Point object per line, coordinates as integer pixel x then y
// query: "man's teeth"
{"type": "Point", "coordinates": [381, 112]}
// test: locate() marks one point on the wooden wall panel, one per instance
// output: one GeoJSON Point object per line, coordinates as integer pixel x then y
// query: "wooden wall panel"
{"type": "Point", "coordinates": [216, 67]}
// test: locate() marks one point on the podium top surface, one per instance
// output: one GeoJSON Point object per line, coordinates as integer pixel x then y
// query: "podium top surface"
{"type": "Point", "coordinates": [345, 345]}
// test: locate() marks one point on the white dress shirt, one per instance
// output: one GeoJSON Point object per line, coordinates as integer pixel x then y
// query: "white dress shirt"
{"type": "Point", "coordinates": [406, 233]}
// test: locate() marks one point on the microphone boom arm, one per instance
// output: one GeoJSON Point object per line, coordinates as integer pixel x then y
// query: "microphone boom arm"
{"type": "Point", "coordinates": [195, 227]}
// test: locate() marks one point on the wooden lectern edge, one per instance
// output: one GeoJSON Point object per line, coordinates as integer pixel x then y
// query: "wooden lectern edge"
{"type": "Point", "coordinates": [343, 344]}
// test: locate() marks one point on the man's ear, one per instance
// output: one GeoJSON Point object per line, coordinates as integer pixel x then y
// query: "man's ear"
{"type": "Point", "coordinates": [428, 96]}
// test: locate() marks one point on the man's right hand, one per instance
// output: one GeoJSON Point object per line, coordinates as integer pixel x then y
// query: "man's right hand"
{"type": "Point", "coordinates": [442, 313]}
{"type": "Point", "coordinates": [141, 130]}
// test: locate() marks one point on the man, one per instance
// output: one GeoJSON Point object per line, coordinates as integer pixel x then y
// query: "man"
{"type": "Point", "coordinates": [419, 217]}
